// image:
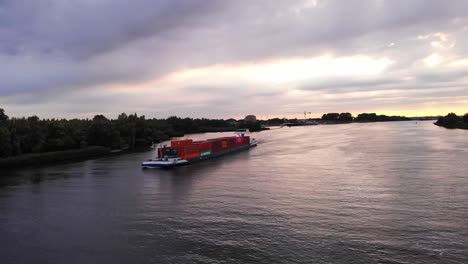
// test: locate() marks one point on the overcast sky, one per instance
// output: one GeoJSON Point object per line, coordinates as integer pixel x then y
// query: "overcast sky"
{"type": "Point", "coordinates": [222, 59]}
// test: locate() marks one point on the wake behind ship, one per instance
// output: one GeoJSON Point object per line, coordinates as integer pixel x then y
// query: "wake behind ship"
{"type": "Point", "coordinates": [187, 151]}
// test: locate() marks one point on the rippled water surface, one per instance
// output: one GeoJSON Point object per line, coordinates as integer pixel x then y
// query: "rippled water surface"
{"type": "Point", "coordinates": [359, 193]}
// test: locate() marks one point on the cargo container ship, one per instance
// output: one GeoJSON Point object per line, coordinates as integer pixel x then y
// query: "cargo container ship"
{"type": "Point", "coordinates": [186, 151]}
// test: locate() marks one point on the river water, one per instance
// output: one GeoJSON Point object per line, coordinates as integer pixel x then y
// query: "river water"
{"type": "Point", "coordinates": [392, 192]}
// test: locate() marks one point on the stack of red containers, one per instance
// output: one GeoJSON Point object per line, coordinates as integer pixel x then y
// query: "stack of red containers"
{"type": "Point", "coordinates": [188, 149]}
{"type": "Point", "coordinates": [181, 143]}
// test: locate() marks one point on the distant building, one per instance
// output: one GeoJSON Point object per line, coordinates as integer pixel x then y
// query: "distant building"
{"type": "Point", "coordinates": [250, 118]}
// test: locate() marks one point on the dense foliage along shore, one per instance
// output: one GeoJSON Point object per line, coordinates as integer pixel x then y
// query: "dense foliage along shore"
{"type": "Point", "coordinates": [338, 118]}
{"type": "Point", "coordinates": [36, 159]}
{"type": "Point", "coordinates": [453, 121]}
{"type": "Point", "coordinates": [30, 140]}
{"type": "Point", "coordinates": [364, 117]}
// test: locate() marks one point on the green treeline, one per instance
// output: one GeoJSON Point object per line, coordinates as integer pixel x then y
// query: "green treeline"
{"type": "Point", "coordinates": [453, 121]}
{"type": "Point", "coordinates": [19, 136]}
{"type": "Point", "coordinates": [35, 159]}
{"type": "Point", "coordinates": [364, 117]}
{"type": "Point", "coordinates": [340, 118]}
{"type": "Point", "coordinates": [372, 117]}
{"type": "Point", "coordinates": [335, 118]}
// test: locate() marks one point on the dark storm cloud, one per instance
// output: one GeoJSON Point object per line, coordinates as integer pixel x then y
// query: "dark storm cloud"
{"type": "Point", "coordinates": [269, 28]}
{"type": "Point", "coordinates": [53, 44]}
{"type": "Point", "coordinates": [85, 28]}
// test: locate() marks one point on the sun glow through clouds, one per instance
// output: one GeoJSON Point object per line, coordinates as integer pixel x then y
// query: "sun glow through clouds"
{"type": "Point", "coordinates": [432, 60]}
{"type": "Point", "coordinates": [286, 70]}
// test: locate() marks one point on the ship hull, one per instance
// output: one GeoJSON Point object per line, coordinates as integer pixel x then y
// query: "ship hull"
{"type": "Point", "coordinates": [219, 154]}
{"type": "Point", "coordinates": [168, 165]}
{"type": "Point", "coordinates": [162, 164]}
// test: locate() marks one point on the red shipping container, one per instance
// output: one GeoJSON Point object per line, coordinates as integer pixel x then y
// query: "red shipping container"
{"type": "Point", "coordinates": [246, 140]}
{"type": "Point", "coordinates": [181, 143]}
{"type": "Point", "coordinates": [180, 151]}
{"type": "Point", "coordinates": [204, 145]}
{"type": "Point", "coordinates": [216, 146]}
{"type": "Point", "coordinates": [190, 149]}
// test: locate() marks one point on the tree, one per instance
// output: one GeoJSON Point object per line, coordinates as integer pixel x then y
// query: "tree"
{"type": "Point", "coordinates": [251, 126]}
{"type": "Point", "coordinates": [274, 121]}
{"type": "Point", "coordinates": [101, 132]}
{"type": "Point", "coordinates": [451, 120]}
{"type": "Point", "coordinates": [331, 117]}
{"type": "Point", "coordinates": [5, 143]}
{"type": "Point", "coordinates": [5, 135]}
{"type": "Point", "coordinates": [34, 135]}
{"type": "Point", "coordinates": [367, 117]}
{"type": "Point", "coordinates": [345, 117]}
{"type": "Point", "coordinates": [3, 116]}
{"type": "Point", "coordinates": [100, 118]}
{"type": "Point", "coordinates": [122, 116]}
{"type": "Point", "coordinates": [465, 118]}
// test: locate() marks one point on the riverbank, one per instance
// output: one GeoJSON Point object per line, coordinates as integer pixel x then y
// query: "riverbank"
{"type": "Point", "coordinates": [458, 125]}
{"type": "Point", "coordinates": [47, 158]}
{"type": "Point", "coordinates": [73, 155]}
{"type": "Point", "coordinates": [452, 121]}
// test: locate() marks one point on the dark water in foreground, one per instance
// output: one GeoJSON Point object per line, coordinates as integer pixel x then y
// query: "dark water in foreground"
{"type": "Point", "coordinates": [360, 193]}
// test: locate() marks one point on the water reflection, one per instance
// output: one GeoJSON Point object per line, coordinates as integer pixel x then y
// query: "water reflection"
{"type": "Point", "coordinates": [359, 193]}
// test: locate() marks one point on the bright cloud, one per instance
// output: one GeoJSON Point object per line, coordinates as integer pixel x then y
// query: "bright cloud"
{"type": "Point", "coordinates": [432, 60]}
{"type": "Point", "coordinates": [283, 71]}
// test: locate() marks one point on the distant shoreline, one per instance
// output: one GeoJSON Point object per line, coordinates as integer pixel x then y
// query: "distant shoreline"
{"type": "Point", "coordinates": [457, 126]}
{"type": "Point", "coordinates": [452, 121]}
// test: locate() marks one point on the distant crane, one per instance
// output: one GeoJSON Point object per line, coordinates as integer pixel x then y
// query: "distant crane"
{"type": "Point", "coordinates": [305, 114]}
